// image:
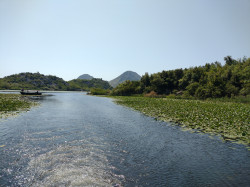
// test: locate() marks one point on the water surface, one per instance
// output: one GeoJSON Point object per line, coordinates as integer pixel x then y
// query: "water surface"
{"type": "Point", "coordinates": [73, 139]}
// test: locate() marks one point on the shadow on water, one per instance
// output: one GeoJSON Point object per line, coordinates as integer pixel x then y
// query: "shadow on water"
{"type": "Point", "coordinates": [77, 140]}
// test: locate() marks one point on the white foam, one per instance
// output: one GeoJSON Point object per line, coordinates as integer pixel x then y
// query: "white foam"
{"type": "Point", "coordinates": [68, 165]}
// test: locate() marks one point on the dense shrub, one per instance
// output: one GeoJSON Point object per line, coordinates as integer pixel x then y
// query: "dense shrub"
{"type": "Point", "coordinates": [210, 81]}
{"type": "Point", "coordinates": [99, 91]}
{"type": "Point", "coordinates": [127, 88]}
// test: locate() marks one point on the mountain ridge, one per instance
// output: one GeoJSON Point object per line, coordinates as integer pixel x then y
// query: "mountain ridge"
{"type": "Point", "coordinates": [85, 77]}
{"type": "Point", "coordinates": [127, 75]}
{"type": "Point", "coordinates": [37, 81]}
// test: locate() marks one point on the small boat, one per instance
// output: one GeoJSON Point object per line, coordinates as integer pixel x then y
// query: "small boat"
{"type": "Point", "coordinates": [30, 93]}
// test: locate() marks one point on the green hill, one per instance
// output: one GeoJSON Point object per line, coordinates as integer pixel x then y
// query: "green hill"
{"type": "Point", "coordinates": [81, 84]}
{"type": "Point", "coordinates": [37, 81]}
{"type": "Point", "coordinates": [33, 81]}
{"type": "Point", "coordinates": [128, 75]}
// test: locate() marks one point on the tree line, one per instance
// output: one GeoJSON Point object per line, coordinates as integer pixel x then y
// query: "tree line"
{"type": "Point", "coordinates": [37, 81]}
{"type": "Point", "coordinates": [213, 80]}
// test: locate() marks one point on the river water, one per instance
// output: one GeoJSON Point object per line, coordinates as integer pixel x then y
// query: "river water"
{"type": "Point", "coordinates": [73, 139]}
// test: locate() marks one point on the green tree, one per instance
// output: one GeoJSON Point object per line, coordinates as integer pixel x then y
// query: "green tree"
{"type": "Point", "coordinates": [127, 88]}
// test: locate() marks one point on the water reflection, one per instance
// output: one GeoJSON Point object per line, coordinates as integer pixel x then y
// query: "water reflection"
{"type": "Point", "coordinates": [77, 140]}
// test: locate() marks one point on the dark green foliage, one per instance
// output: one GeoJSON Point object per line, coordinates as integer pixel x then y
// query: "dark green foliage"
{"type": "Point", "coordinates": [210, 81]}
{"type": "Point", "coordinates": [37, 81]}
{"type": "Point", "coordinates": [99, 91]}
{"type": "Point", "coordinates": [127, 88]}
{"type": "Point", "coordinates": [145, 80]}
{"type": "Point", "coordinates": [33, 81]}
{"type": "Point", "coordinates": [192, 88]}
{"type": "Point", "coordinates": [80, 84]}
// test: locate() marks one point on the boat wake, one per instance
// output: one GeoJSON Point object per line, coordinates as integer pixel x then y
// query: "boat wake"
{"type": "Point", "coordinates": [71, 166]}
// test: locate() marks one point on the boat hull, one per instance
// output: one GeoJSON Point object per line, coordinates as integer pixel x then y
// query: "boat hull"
{"type": "Point", "coordinates": [31, 93]}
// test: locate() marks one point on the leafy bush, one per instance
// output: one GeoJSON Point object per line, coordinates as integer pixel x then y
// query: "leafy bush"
{"type": "Point", "coordinates": [127, 88]}
{"type": "Point", "coordinates": [99, 91]}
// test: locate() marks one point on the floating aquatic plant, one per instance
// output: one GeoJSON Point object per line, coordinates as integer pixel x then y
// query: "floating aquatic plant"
{"type": "Point", "coordinates": [230, 120]}
{"type": "Point", "coordinates": [12, 104]}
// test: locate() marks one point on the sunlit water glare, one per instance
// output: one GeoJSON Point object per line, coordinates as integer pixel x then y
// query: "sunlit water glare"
{"type": "Point", "coordinates": [73, 139]}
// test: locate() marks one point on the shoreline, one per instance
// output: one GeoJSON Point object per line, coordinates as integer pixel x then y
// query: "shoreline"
{"type": "Point", "coordinates": [43, 91]}
{"type": "Point", "coordinates": [13, 104]}
{"type": "Point", "coordinates": [229, 120]}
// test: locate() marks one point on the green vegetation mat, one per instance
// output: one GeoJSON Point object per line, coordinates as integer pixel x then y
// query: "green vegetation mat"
{"type": "Point", "coordinates": [230, 120]}
{"type": "Point", "coordinates": [12, 103]}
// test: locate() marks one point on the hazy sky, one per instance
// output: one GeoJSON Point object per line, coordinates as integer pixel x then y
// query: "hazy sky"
{"type": "Point", "coordinates": [104, 38]}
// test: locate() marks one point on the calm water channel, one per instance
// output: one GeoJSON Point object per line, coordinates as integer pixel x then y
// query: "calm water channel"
{"type": "Point", "coordinates": [73, 139]}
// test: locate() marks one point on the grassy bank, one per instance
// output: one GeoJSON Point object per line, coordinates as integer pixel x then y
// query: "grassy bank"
{"type": "Point", "coordinates": [11, 104]}
{"type": "Point", "coordinates": [231, 120]}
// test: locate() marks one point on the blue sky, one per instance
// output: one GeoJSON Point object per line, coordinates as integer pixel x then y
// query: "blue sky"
{"type": "Point", "coordinates": [104, 38]}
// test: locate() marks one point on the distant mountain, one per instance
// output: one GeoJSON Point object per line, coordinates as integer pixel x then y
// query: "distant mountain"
{"type": "Point", "coordinates": [81, 84]}
{"type": "Point", "coordinates": [128, 75]}
{"type": "Point", "coordinates": [85, 76]}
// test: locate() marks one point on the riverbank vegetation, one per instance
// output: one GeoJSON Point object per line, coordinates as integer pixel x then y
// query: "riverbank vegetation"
{"type": "Point", "coordinates": [213, 98]}
{"type": "Point", "coordinates": [212, 80]}
{"type": "Point", "coordinates": [230, 120]}
{"type": "Point", "coordinates": [13, 103]}
{"type": "Point", "coordinates": [99, 91]}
